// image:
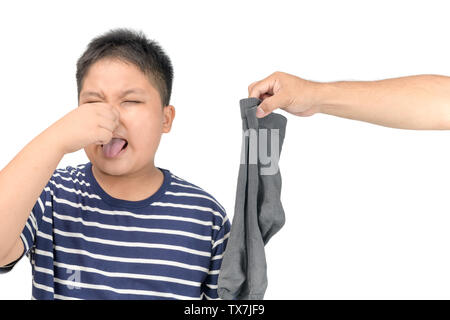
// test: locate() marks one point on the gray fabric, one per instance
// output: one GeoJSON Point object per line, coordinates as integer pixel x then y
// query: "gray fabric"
{"type": "Point", "coordinates": [258, 213]}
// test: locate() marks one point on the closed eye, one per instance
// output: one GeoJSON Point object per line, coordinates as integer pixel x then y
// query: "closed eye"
{"type": "Point", "coordinates": [133, 101]}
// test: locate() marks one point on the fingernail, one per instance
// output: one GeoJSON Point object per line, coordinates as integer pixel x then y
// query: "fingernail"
{"type": "Point", "coordinates": [259, 112]}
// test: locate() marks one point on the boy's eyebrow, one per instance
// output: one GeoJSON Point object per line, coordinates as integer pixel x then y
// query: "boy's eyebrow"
{"type": "Point", "coordinates": [92, 93]}
{"type": "Point", "coordinates": [123, 94]}
{"type": "Point", "coordinates": [132, 90]}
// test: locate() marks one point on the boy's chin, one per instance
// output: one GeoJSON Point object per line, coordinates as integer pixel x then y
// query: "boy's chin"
{"type": "Point", "coordinates": [113, 168]}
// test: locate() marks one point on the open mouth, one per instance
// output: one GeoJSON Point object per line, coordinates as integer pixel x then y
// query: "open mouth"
{"type": "Point", "coordinates": [124, 146]}
{"type": "Point", "coordinates": [114, 148]}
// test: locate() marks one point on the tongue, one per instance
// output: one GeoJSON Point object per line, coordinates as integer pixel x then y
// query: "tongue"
{"type": "Point", "coordinates": [113, 148]}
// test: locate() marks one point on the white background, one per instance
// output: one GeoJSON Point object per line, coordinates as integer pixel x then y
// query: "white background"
{"type": "Point", "coordinates": [367, 207]}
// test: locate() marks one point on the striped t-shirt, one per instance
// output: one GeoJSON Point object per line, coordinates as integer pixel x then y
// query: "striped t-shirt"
{"type": "Point", "coordinates": [84, 244]}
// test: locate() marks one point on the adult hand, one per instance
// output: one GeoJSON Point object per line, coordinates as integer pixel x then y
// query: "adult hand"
{"type": "Point", "coordinates": [285, 91]}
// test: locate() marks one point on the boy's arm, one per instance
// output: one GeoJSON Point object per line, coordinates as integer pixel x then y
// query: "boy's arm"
{"type": "Point", "coordinates": [413, 102]}
{"type": "Point", "coordinates": [21, 183]}
{"type": "Point", "coordinates": [218, 249]}
{"type": "Point", "coordinates": [13, 256]}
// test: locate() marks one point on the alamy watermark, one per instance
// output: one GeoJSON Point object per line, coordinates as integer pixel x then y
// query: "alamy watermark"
{"type": "Point", "coordinates": [258, 149]}
{"type": "Point", "coordinates": [74, 279]}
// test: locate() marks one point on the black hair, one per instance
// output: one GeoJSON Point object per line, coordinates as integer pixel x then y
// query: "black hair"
{"type": "Point", "coordinates": [130, 46]}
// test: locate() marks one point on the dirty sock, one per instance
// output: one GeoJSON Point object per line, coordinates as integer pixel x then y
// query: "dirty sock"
{"type": "Point", "coordinates": [258, 211]}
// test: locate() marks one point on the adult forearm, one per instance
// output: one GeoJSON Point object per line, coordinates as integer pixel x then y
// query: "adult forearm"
{"type": "Point", "coordinates": [413, 102]}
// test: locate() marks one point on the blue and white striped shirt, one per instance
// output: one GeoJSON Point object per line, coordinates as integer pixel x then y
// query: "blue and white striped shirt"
{"type": "Point", "coordinates": [84, 244]}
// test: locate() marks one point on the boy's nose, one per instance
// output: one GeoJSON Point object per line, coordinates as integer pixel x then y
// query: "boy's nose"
{"type": "Point", "coordinates": [116, 108]}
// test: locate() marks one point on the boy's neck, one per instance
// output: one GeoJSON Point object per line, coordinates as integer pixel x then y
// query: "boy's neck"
{"type": "Point", "coordinates": [138, 186]}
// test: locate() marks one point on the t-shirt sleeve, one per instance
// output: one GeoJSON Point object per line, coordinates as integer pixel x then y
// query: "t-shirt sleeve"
{"type": "Point", "coordinates": [219, 243]}
{"type": "Point", "coordinates": [32, 225]}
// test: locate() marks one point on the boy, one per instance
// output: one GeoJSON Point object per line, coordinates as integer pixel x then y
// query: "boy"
{"type": "Point", "coordinates": [116, 227]}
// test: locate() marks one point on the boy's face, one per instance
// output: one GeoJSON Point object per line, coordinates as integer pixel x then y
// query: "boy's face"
{"type": "Point", "coordinates": [142, 117]}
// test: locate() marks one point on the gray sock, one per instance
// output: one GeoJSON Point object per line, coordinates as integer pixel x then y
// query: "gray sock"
{"type": "Point", "coordinates": [258, 213]}
{"type": "Point", "coordinates": [271, 214]}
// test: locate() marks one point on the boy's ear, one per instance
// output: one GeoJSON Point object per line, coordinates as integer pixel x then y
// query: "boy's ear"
{"type": "Point", "coordinates": [168, 116]}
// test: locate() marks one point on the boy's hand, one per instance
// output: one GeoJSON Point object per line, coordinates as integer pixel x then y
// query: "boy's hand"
{"type": "Point", "coordinates": [89, 123]}
{"type": "Point", "coordinates": [288, 92]}
{"type": "Point", "coordinates": [31, 169]}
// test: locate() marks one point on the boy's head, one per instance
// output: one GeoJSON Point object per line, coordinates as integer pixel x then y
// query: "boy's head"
{"type": "Point", "coordinates": [113, 64]}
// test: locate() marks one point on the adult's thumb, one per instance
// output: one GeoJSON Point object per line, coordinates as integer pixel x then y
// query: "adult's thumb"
{"type": "Point", "coordinates": [268, 105]}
